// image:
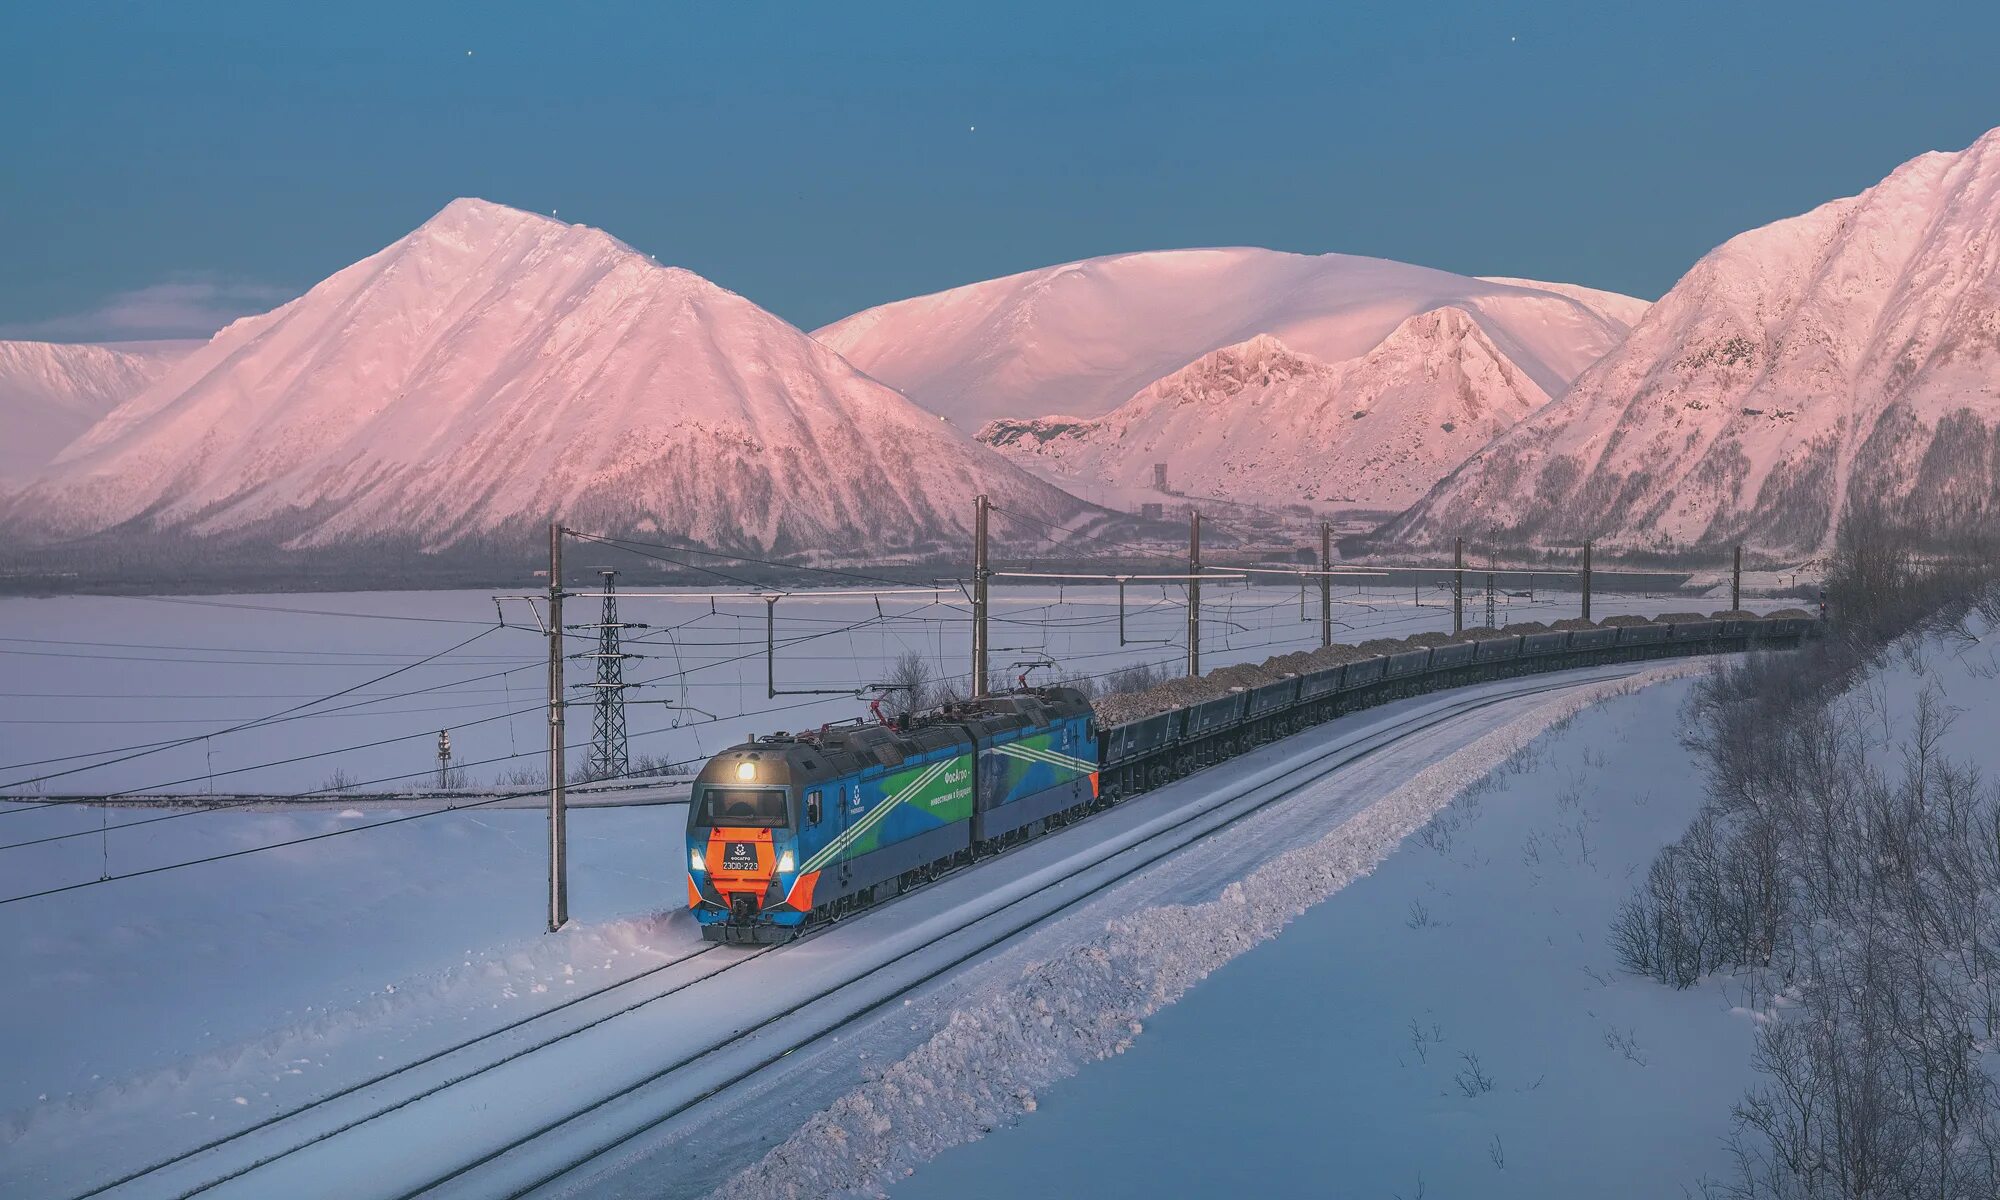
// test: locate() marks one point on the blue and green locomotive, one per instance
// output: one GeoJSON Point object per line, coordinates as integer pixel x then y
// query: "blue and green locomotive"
{"type": "Point", "coordinates": [789, 829]}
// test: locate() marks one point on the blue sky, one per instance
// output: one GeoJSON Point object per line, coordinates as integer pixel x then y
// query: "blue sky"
{"type": "Point", "coordinates": [164, 163]}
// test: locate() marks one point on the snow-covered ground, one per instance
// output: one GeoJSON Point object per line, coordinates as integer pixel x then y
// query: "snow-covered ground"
{"type": "Point", "coordinates": [1453, 1024]}
{"type": "Point", "coordinates": [170, 1008]}
{"type": "Point", "coordinates": [193, 1004]}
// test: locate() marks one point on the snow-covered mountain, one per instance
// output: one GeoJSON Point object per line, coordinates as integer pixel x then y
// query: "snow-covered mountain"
{"type": "Point", "coordinates": [495, 368]}
{"type": "Point", "coordinates": [51, 392]}
{"type": "Point", "coordinates": [1259, 423]}
{"type": "Point", "coordinates": [1850, 351]}
{"type": "Point", "coordinates": [1083, 337]}
{"type": "Point", "coordinates": [1617, 306]}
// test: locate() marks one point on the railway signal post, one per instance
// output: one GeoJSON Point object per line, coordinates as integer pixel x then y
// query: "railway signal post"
{"type": "Point", "coordinates": [1736, 582]}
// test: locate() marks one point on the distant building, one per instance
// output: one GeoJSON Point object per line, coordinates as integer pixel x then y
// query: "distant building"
{"type": "Point", "coordinates": [1160, 477]}
{"type": "Point", "coordinates": [1153, 512]}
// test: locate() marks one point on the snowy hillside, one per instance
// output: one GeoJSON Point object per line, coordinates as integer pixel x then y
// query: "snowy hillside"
{"type": "Point", "coordinates": [1259, 423]}
{"type": "Point", "coordinates": [1083, 337]}
{"type": "Point", "coordinates": [51, 392]}
{"type": "Point", "coordinates": [496, 368]}
{"type": "Point", "coordinates": [1851, 350]}
{"type": "Point", "coordinates": [1616, 306]}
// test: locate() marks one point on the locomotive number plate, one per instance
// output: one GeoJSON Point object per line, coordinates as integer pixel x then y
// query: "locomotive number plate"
{"type": "Point", "coordinates": [739, 856]}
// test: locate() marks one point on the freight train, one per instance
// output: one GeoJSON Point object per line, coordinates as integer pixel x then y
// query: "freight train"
{"type": "Point", "coordinates": [789, 831]}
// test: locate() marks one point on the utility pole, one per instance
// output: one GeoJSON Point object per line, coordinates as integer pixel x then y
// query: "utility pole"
{"type": "Point", "coordinates": [1326, 583]}
{"type": "Point", "coordinates": [1458, 587]}
{"type": "Point", "coordinates": [609, 755]}
{"type": "Point", "coordinates": [1194, 593]}
{"type": "Point", "coordinates": [980, 574]}
{"type": "Point", "coordinates": [1490, 622]}
{"type": "Point", "coordinates": [1586, 581]}
{"type": "Point", "coordinates": [558, 815]}
{"type": "Point", "coordinates": [1736, 582]}
{"type": "Point", "coordinates": [444, 759]}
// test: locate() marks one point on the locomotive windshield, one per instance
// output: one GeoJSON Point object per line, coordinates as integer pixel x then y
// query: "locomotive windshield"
{"type": "Point", "coordinates": [762, 808]}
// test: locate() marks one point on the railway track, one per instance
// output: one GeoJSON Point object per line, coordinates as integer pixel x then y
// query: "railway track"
{"type": "Point", "coordinates": [552, 1149]}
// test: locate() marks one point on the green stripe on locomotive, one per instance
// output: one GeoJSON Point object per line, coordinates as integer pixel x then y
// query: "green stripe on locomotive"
{"type": "Point", "coordinates": [893, 807]}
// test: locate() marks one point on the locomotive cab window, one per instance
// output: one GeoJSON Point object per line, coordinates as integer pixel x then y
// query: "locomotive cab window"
{"type": "Point", "coordinates": [762, 808]}
{"type": "Point", "coordinates": [812, 808]}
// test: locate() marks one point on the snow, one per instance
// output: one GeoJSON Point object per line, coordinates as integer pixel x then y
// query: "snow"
{"type": "Point", "coordinates": [496, 368]}
{"type": "Point", "coordinates": [1849, 350]}
{"type": "Point", "coordinates": [162, 1003]}
{"type": "Point", "coordinates": [1260, 424]}
{"type": "Point", "coordinates": [382, 948]}
{"type": "Point", "coordinates": [1481, 937]}
{"type": "Point", "coordinates": [278, 977]}
{"type": "Point", "coordinates": [1308, 1035]}
{"type": "Point", "coordinates": [50, 393]}
{"type": "Point", "coordinates": [1961, 669]}
{"type": "Point", "coordinates": [1083, 337]}
{"type": "Point", "coordinates": [1626, 310]}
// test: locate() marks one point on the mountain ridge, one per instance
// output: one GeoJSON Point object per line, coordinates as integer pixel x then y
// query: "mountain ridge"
{"type": "Point", "coordinates": [1849, 353]}
{"type": "Point", "coordinates": [496, 368]}
{"type": "Point", "coordinates": [1260, 423]}
{"type": "Point", "coordinates": [51, 392]}
{"type": "Point", "coordinates": [1081, 338]}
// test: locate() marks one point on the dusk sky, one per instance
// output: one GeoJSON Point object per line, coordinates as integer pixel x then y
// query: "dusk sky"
{"type": "Point", "coordinates": [166, 168]}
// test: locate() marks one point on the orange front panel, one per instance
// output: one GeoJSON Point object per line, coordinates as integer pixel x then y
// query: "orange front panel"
{"type": "Point", "coordinates": [741, 861]}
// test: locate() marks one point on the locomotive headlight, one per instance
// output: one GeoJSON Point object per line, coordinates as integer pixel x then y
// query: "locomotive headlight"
{"type": "Point", "coordinates": [786, 862]}
{"type": "Point", "coordinates": [746, 771]}
{"type": "Point", "coordinates": [694, 859]}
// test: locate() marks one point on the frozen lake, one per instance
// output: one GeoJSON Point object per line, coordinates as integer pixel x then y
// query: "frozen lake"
{"type": "Point", "coordinates": [106, 695]}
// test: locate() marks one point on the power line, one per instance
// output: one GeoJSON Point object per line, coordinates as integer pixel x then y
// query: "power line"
{"type": "Point", "coordinates": [311, 612]}
{"type": "Point", "coordinates": [263, 766]}
{"type": "Point", "coordinates": [272, 718]}
{"type": "Point", "coordinates": [202, 649]}
{"type": "Point", "coordinates": [629, 543]}
{"type": "Point", "coordinates": [174, 866]}
{"type": "Point", "coordinates": [374, 698]}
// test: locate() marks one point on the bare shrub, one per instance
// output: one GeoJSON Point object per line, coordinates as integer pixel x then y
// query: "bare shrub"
{"type": "Point", "coordinates": [1863, 890]}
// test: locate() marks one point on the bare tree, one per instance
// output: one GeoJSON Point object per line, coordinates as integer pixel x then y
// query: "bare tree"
{"type": "Point", "coordinates": [910, 685]}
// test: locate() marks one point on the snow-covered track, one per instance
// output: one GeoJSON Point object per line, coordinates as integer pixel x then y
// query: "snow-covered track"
{"type": "Point", "coordinates": [511, 1135]}
{"type": "Point", "coordinates": [378, 1095]}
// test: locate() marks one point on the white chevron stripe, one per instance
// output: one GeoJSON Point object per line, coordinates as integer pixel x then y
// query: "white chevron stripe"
{"type": "Point", "coordinates": [874, 817]}
{"type": "Point", "coordinates": [1052, 757]}
{"type": "Point", "coordinates": [1049, 758]}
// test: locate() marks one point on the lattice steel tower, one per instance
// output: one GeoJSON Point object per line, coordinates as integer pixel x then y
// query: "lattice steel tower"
{"type": "Point", "coordinates": [608, 754]}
